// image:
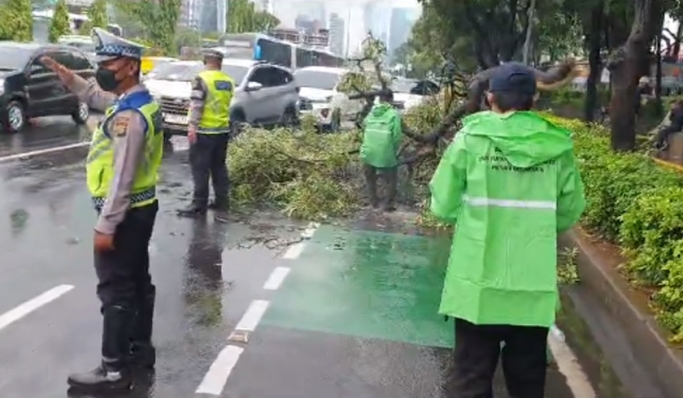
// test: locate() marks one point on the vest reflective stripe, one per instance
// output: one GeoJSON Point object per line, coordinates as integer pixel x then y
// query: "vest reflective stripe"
{"type": "Point", "coordinates": [216, 116]}
{"type": "Point", "coordinates": [518, 204]}
{"type": "Point", "coordinates": [100, 159]}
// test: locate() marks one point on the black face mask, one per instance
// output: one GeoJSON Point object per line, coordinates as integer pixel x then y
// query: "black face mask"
{"type": "Point", "coordinates": [106, 79]}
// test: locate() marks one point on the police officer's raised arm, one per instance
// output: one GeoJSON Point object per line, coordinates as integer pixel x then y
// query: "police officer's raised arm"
{"type": "Point", "coordinates": [197, 101]}
{"type": "Point", "coordinates": [127, 129]}
{"type": "Point", "coordinates": [89, 92]}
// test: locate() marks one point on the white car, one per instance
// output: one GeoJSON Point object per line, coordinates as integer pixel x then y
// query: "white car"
{"type": "Point", "coordinates": [265, 94]}
{"type": "Point", "coordinates": [411, 92]}
{"type": "Point", "coordinates": [318, 96]}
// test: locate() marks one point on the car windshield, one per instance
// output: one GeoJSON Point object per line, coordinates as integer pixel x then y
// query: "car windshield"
{"type": "Point", "coordinates": [403, 85]}
{"type": "Point", "coordinates": [83, 46]}
{"type": "Point", "coordinates": [236, 72]}
{"type": "Point", "coordinates": [180, 72]}
{"type": "Point", "coordinates": [316, 79]}
{"type": "Point", "coordinates": [14, 58]}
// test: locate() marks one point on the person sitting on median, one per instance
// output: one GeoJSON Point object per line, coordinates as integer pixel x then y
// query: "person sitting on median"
{"type": "Point", "coordinates": [675, 125]}
{"type": "Point", "coordinates": [382, 135]}
{"type": "Point", "coordinates": [509, 183]}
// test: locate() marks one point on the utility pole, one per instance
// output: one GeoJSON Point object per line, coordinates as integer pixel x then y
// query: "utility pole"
{"type": "Point", "coordinates": [222, 11]}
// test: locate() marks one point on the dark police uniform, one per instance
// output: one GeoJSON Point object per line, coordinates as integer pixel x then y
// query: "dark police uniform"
{"type": "Point", "coordinates": [212, 92]}
{"type": "Point", "coordinates": [122, 165]}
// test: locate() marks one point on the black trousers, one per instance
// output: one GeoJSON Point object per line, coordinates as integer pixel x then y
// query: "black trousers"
{"type": "Point", "coordinates": [390, 175]}
{"type": "Point", "coordinates": [125, 286]}
{"type": "Point", "coordinates": [207, 159]}
{"type": "Point", "coordinates": [478, 348]}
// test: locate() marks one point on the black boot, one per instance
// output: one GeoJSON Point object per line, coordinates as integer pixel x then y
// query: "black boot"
{"type": "Point", "coordinates": [194, 210]}
{"type": "Point", "coordinates": [220, 204]}
{"type": "Point", "coordinates": [143, 353]}
{"type": "Point", "coordinates": [113, 373]}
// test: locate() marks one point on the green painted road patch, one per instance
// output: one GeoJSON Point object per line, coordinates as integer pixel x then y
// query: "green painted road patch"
{"type": "Point", "coordinates": [366, 284]}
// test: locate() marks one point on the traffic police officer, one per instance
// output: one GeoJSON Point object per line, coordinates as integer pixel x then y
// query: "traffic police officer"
{"type": "Point", "coordinates": [208, 134]}
{"type": "Point", "coordinates": [125, 155]}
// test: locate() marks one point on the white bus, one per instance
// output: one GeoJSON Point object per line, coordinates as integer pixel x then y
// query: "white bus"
{"type": "Point", "coordinates": [262, 47]}
{"type": "Point", "coordinates": [43, 18]}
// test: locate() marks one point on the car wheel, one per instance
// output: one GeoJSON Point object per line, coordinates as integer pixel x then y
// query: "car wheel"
{"type": "Point", "coordinates": [289, 118]}
{"type": "Point", "coordinates": [81, 114]}
{"type": "Point", "coordinates": [15, 117]}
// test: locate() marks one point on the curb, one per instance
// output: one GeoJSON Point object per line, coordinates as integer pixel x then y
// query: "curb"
{"type": "Point", "coordinates": [648, 340]}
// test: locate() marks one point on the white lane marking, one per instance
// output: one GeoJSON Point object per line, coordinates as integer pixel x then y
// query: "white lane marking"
{"type": "Point", "coordinates": [310, 230]}
{"type": "Point", "coordinates": [569, 365]}
{"type": "Point", "coordinates": [215, 379]}
{"type": "Point", "coordinates": [29, 306]}
{"type": "Point", "coordinates": [296, 249]}
{"type": "Point", "coordinates": [253, 316]}
{"type": "Point", "coordinates": [276, 277]}
{"type": "Point", "coordinates": [26, 155]}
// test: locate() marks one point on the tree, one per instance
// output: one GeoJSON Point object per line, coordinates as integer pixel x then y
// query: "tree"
{"type": "Point", "coordinates": [60, 25]}
{"type": "Point", "coordinates": [243, 17]}
{"type": "Point", "coordinates": [626, 67]}
{"type": "Point", "coordinates": [156, 19]}
{"type": "Point", "coordinates": [97, 17]}
{"type": "Point", "coordinates": [16, 23]}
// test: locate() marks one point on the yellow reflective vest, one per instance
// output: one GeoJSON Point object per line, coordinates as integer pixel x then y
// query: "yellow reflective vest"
{"type": "Point", "coordinates": [216, 116]}
{"type": "Point", "coordinates": [100, 160]}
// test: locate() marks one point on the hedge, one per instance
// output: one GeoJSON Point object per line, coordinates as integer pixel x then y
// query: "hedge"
{"type": "Point", "coordinates": [637, 204]}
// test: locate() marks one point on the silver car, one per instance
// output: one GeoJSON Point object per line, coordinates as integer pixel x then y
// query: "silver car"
{"type": "Point", "coordinates": [265, 94]}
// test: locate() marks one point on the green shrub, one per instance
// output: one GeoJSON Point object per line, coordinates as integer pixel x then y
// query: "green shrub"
{"type": "Point", "coordinates": [636, 203]}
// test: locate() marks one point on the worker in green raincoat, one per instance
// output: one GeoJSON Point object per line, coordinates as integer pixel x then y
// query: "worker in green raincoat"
{"type": "Point", "coordinates": [509, 183]}
{"type": "Point", "coordinates": [382, 135]}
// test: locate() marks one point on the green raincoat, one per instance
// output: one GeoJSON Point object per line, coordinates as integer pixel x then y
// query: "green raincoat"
{"type": "Point", "coordinates": [510, 183]}
{"type": "Point", "coordinates": [382, 137]}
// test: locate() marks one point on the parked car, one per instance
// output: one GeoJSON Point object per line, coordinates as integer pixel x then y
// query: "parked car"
{"type": "Point", "coordinates": [265, 94]}
{"type": "Point", "coordinates": [148, 64]}
{"type": "Point", "coordinates": [319, 96]}
{"type": "Point", "coordinates": [28, 89]}
{"type": "Point", "coordinates": [411, 92]}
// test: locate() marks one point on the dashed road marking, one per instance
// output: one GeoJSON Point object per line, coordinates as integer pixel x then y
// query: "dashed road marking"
{"type": "Point", "coordinates": [215, 379]}
{"type": "Point", "coordinates": [295, 250]}
{"type": "Point", "coordinates": [276, 278]}
{"type": "Point", "coordinates": [253, 316]}
{"type": "Point", "coordinates": [29, 306]}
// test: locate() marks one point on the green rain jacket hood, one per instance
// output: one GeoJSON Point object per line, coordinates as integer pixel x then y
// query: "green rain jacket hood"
{"type": "Point", "coordinates": [382, 136]}
{"type": "Point", "coordinates": [510, 184]}
{"type": "Point", "coordinates": [524, 138]}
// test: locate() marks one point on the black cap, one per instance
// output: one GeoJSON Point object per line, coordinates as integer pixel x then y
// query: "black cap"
{"type": "Point", "coordinates": [512, 78]}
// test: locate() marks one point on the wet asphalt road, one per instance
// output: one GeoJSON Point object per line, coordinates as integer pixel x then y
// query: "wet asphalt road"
{"type": "Point", "coordinates": [43, 133]}
{"type": "Point", "coordinates": [282, 316]}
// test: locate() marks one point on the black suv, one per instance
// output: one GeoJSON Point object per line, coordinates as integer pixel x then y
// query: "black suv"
{"type": "Point", "coordinates": [28, 89]}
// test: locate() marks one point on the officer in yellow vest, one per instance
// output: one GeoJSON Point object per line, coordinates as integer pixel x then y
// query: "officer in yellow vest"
{"type": "Point", "coordinates": [125, 155]}
{"type": "Point", "coordinates": [208, 134]}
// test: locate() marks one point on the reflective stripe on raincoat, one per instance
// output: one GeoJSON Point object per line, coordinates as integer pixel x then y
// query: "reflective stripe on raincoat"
{"type": "Point", "coordinates": [510, 184]}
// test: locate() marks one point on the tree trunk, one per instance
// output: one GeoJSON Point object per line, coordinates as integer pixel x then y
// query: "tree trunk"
{"type": "Point", "coordinates": [594, 41]}
{"type": "Point", "coordinates": [624, 67]}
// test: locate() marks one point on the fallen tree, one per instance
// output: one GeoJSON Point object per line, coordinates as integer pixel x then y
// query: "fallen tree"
{"type": "Point", "coordinates": [316, 176]}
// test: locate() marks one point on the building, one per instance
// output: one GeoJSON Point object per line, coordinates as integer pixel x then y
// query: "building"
{"type": "Point", "coordinates": [208, 21]}
{"type": "Point", "coordinates": [190, 14]}
{"type": "Point", "coordinates": [337, 34]}
{"type": "Point", "coordinates": [399, 28]}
